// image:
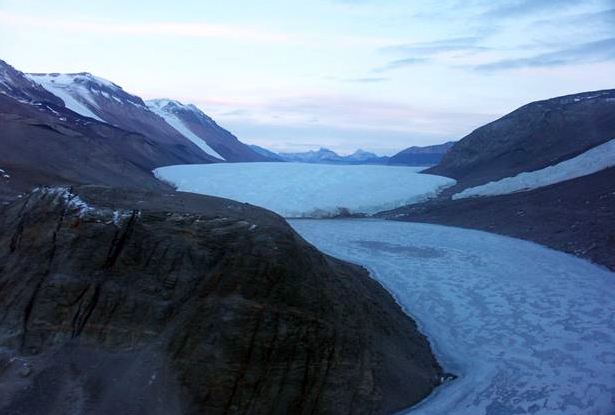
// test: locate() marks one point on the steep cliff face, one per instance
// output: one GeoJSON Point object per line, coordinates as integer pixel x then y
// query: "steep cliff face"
{"type": "Point", "coordinates": [142, 302]}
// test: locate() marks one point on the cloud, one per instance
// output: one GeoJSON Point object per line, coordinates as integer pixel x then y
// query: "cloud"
{"type": "Point", "coordinates": [437, 46]}
{"type": "Point", "coordinates": [400, 63]}
{"type": "Point", "coordinates": [520, 8]}
{"type": "Point", "coordinates": [424, 52]}
{"type": "Point", "coordinates": [324, 117]}
{"type": "Point", "coordinates": [602, 21]}
{"type": "Point", "coordinates": [591, 52]}
{"type": "Point", "coordinates": [244, 33]}
{"type": "Point", "coordinates": [368, 80]}
{"type": "Point", "coordinates": [203, 30]}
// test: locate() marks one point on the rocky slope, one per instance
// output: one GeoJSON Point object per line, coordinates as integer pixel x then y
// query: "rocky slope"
{"type": "Point", "coordinates": [534, 136]}
{"type": "Point", "coordinates": [268, 153]}
{"type": "Point", "coordinates": [145, 302]}
{"type": "Point", "coordinates": [576, 216]}
{"type": "Point", "coordinates": [42, 143]}
{"type": "Point", "coordinates": [104, 101]}
{"type": "Point", "coordinates": [421, 156]}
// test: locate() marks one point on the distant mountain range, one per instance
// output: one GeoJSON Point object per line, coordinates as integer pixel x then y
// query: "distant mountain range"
{"type": "Point", "coordinates": [325, 156]}
{"type": "Point", "coordinates": [413, 156]}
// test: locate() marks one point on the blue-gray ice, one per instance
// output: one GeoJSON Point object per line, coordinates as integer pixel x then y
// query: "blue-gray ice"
{"type": "Point", "coordinates": [308, 190]}
{"type": "Point", "coordinates": [529, 330]}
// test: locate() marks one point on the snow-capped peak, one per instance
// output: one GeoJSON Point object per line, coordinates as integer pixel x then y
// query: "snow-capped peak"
{"type": "Point", "coordinates": [164, 103]}
{"type": "Point", "coordinates": [361, 155]}
{"type": "Point", "coordinates": [76, 96]}
{"type": "Point", "coordinates": [83, 92]}
{"type": "Point", "coordinates": [169, 110]}
{"type": "Point", "coordinates": [171, 105]}
{"type": "Point", "coordinates": [82, 78]}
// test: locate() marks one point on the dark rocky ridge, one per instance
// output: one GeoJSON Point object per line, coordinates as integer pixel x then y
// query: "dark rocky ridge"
{"type": "Point", "coordinates": [144, 302]}
{"type": "Point", "coordinates": [576, 216]}
{"type": "Point", "coordinates": [421, 156]}
{"type": "Point", "coordinates": [535, 136]}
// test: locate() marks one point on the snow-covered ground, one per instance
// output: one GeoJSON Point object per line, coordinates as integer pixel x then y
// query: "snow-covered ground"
{"type": "Point", "coordinates": [529, 330]}
{"type": "Point", "coordinates": [159, 106]}
{"type": "Point", "coordinates": [593, 160]}
{"type": "Point", "coordinates": [307, 190]}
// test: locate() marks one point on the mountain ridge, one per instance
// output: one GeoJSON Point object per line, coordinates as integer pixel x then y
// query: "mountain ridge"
{"type": "Point", "coordinates": [106, 101]}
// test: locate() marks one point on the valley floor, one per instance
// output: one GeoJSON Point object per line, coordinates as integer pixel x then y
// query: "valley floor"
{"type": "Point", "coordinates": [527, 329]}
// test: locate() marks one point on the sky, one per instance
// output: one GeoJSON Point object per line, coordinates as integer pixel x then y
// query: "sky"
{"type": "Point", "coordinates": [296, 75]}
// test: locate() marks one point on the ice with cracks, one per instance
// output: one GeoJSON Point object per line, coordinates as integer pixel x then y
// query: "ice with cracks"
{"type": "Point", "coordinates": [528, 330]}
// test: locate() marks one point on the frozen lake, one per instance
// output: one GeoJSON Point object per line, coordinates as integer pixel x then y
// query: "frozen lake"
{"type": "Point", "coordinates": [529, 330]}
{"type": "Point", "coordinates": [308, 190]}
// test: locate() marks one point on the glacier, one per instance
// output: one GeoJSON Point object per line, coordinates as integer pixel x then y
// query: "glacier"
{"type": "Point", "coordinates": [308, 190]}
{"type": "Point", "coordinates": [591, 161]}
{"type": "Point", "coordinates": [528, 330]}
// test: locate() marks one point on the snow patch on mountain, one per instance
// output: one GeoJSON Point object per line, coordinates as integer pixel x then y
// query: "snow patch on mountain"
{"type": "Point", "coordinates": [68, 88]}
{"type": "Point", "coordinates": [592, 161]}
{"type": "Point", "coordinates": [165, 109]}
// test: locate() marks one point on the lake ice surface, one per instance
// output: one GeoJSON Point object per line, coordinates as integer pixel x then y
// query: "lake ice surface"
{"type": "Point", "coordinates": [528, 330]}
{"type": "Point", "coordinates": [308, 190]}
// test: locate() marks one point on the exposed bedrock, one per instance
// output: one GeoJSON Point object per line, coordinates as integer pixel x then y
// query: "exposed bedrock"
{"type": "Point", "coordinates": [141, 302]}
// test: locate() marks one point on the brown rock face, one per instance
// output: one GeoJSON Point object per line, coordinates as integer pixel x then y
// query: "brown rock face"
{"type": "Point", "coordinates": [141, 302]}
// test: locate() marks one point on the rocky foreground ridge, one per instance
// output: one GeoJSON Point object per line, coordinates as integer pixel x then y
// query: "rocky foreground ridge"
{"type": "Point", "coordinates": [125, 301]}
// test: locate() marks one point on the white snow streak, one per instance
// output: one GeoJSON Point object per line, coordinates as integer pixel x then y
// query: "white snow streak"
{"type": "Point", "coordinates": [593, 160]}
{"type": "Point", "coordinates": [177, 124]}
{"type": "Point", "coordinates": [64, 87]}
{"type": "Point", "coordinates": [75, 204]}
